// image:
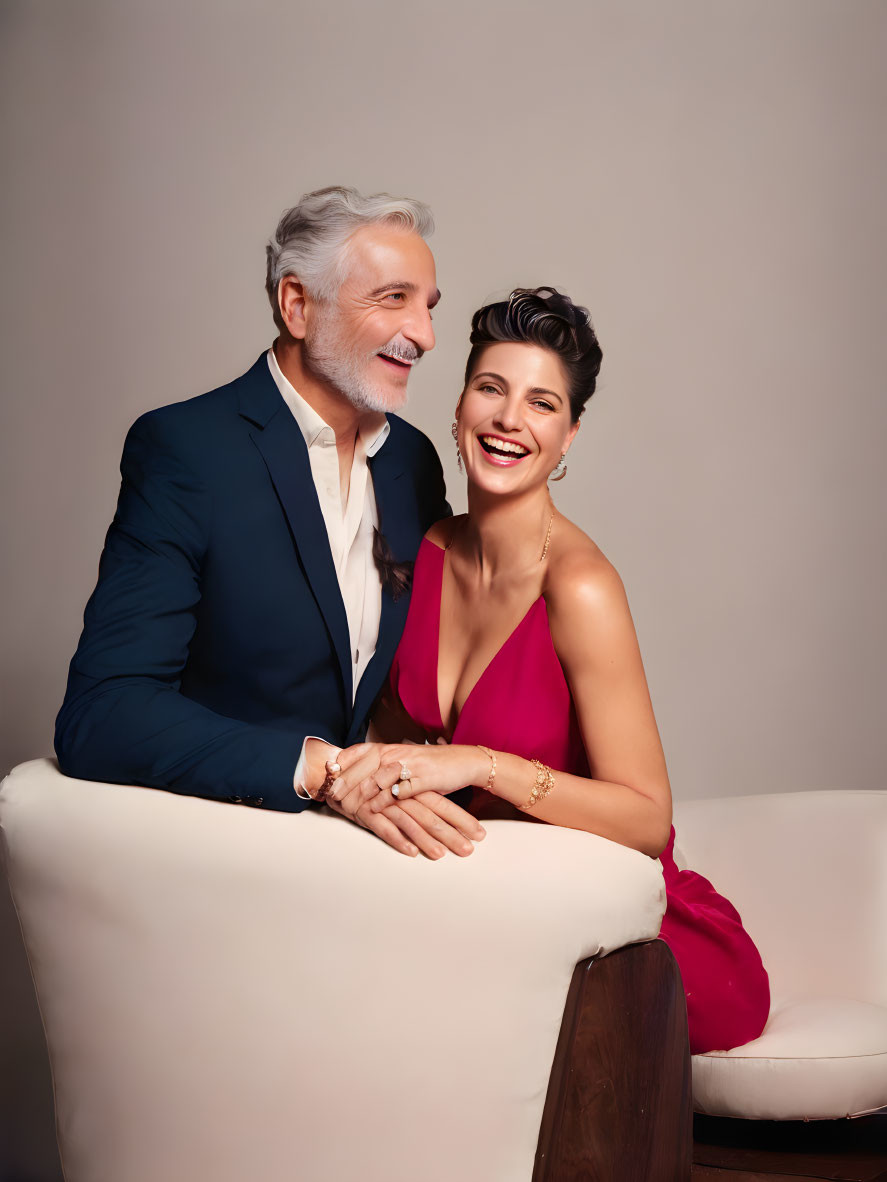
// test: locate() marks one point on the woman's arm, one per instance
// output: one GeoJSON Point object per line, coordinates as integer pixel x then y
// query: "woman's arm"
{"type": "Point", "coordinates": [628, 798]}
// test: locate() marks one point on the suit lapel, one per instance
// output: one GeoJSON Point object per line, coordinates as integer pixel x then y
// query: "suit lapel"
{"type": "Point", "coordinates": [386, 469]}
{"type": "Point", "coordinates": [277, 436]}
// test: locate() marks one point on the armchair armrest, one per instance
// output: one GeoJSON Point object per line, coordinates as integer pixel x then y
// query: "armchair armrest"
{"type": "Point", "coordinates": [230, 993]}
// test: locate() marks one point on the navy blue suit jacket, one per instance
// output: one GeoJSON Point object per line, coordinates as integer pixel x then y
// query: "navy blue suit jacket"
{"type": "Point", "coordinates": [216, 638]}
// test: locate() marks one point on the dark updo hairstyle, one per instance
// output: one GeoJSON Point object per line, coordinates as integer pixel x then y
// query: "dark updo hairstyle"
{"type": "Point", "coordinates": [546, 317]}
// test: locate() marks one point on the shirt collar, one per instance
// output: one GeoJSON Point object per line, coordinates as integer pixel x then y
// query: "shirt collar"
{"type": "Point", "coordinates": [373, 429]}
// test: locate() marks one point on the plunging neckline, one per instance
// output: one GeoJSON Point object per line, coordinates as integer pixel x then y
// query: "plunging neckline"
{"type": "Point", "coordinates": [435, 648]}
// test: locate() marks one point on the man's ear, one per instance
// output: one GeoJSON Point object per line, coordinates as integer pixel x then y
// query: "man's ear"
{"type": "Point", "coordinates": [291, 299]}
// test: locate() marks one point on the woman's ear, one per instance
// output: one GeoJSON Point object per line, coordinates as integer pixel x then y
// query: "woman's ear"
{"type": "Point", "coordinates": [571, 435]}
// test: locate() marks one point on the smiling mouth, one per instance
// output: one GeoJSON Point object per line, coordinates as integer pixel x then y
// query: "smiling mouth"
{"type": "Point", "coordinates": [503, 451]}
{"type": "Point", "coordinates": [397, 362]}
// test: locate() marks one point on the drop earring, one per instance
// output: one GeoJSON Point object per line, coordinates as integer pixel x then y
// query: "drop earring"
{"type": "Point", "coordinates": [455, 430]}
{"type": "Point", "coordinates": [560, 471]}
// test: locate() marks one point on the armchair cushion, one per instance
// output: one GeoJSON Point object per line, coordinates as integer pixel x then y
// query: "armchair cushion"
{"type": "Point", "coordinates": [817, 1059]}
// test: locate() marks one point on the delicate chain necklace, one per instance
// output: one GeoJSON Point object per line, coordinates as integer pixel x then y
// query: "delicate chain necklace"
{"type": "Point", "coordinates": [547, 538]}
{"type": "Point", "coordinates": [543, 556]}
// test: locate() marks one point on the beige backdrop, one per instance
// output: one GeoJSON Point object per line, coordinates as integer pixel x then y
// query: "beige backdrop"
{"type": "Point", "coordinates": [707, 175]}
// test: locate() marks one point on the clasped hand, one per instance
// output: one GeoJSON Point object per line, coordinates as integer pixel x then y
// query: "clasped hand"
{"type": "Point", "coordinates": [421, 818]}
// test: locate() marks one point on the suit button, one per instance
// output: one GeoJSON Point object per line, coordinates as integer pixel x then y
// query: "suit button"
{"type": "Point", "coordinates": [235, 800]}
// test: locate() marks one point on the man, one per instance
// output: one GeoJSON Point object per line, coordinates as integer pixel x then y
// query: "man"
{"type": "Point", "coordinates": [240, 610]}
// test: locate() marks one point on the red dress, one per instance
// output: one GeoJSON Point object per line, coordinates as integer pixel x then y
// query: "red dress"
{"type": "Point", "coordinates": [522, 704]}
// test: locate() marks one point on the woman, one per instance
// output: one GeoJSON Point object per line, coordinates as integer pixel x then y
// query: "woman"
{"type": "Point", "coordinates": [519, 660]}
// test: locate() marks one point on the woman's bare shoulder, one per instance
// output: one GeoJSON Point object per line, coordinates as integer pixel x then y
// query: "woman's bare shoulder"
{"type": "Point", "coordinates": [580, 576]}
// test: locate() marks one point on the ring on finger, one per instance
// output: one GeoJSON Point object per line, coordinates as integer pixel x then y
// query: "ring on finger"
{"type": "Point", "coordinates": [404, 778]}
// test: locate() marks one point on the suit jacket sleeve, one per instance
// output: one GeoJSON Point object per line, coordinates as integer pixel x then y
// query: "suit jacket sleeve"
{"type": "Point", "coordinates": [124, 718]}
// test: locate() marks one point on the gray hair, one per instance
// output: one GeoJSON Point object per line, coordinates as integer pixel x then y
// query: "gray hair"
{"type": "Point", "coordinates": [311, 238]}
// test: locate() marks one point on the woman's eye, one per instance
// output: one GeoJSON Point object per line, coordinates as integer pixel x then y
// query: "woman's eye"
{"type": "Point", "coordinates": [487, 389]}
{"type": "Point", "coordinates": [542, 404]}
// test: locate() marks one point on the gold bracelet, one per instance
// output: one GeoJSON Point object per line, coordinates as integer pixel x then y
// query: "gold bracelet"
{"type": "Point", "coordinates": [542, 787]}
{"type": "Point", "coordinates": [492, 755]}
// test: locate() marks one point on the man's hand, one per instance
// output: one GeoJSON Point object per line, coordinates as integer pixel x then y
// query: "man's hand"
{"type": "Point", "coordinates": [428, 823]}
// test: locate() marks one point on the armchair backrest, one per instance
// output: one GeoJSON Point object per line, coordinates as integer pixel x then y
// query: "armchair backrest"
{"type": "Point", "coordinates": [807, 872]}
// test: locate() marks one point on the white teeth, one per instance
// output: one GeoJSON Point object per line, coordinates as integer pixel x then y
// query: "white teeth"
{"type": "Point", "coordinates": [503, 445]}
{"type": "Point", "coordinates": [402, 360]}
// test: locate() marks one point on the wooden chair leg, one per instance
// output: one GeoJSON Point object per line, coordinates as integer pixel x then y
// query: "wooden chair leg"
{"type": "Point", "coordinates": [618, 1107]}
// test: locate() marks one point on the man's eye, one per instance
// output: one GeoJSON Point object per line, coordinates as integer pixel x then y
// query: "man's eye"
{"type": "Point", "coordinates": [395, 295]}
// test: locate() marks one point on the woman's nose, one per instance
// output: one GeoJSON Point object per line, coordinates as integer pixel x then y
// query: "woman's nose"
{"type": "Point", "coordinates": [509, 415]}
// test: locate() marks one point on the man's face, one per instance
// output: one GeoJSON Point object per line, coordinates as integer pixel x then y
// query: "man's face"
{"type": "Point", "coordinates": [367, 341]}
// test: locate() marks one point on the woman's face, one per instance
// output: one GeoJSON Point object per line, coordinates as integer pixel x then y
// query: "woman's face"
{"type": "Point", "coordinates": [514, 418]}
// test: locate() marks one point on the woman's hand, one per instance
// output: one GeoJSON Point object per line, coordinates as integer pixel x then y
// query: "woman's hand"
{"type": "Point", "coordinates": [441, 768]}
{"type": "Point", "coordinates": [428, 823]}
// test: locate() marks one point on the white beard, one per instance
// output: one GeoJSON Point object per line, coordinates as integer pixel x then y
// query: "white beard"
{"type": "Point", "coordinates": [334, 359]}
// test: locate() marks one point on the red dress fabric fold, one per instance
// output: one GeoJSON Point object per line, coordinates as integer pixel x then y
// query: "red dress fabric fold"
{"type": "Point", "coordinates": [522, 704]}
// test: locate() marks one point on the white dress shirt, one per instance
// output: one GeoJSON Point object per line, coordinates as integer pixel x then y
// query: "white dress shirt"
{"type": "Point", "coordinates": [349, 526]}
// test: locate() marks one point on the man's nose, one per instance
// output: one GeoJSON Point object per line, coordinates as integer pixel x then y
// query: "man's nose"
{"type": "Point", "coordinates": [420, 330]}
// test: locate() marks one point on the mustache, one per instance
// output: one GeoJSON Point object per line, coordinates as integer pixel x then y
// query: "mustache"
{"type": "Point", "coordinates": [401, 351]}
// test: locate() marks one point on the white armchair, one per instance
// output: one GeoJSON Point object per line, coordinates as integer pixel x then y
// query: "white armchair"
{"type": "Point", "coordinates": [808, 873]}
{"type": "Point", "coordinates": [231, 994]}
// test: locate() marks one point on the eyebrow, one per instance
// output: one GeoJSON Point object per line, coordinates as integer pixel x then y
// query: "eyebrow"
{"type": "Point", "coordinates": [405, 285]}
{"type": "Point", "coordinates": [533, 389]}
